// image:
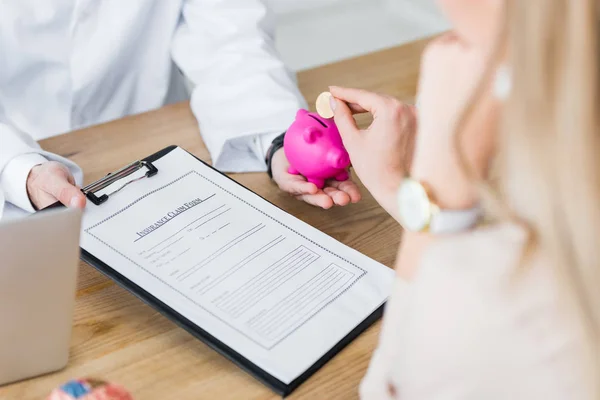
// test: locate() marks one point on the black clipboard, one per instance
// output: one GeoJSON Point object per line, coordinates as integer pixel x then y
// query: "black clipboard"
{"type": "Point", "coordinates": [275, 384]}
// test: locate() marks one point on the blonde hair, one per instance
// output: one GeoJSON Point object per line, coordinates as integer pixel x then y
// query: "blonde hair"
{"type": "Point", "coordinates": [548, 146]}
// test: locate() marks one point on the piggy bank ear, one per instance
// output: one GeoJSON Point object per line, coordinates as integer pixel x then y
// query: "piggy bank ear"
{"type": "Point", "coordinates": [301, 113]}
{"type": "Point", "coordinates": [311, 134]}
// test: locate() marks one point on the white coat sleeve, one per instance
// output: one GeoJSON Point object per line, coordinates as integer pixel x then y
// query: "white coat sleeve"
{"type": "Point", "coordinates": [243, 96]}
{"type": "Point", "coordinates": [19, 153]}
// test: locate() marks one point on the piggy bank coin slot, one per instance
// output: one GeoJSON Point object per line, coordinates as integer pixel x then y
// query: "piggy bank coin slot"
{"type": "Point", "coordinates": [319, 121]}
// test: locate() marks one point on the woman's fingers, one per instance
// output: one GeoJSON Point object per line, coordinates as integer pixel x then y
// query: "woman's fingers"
{"type": "Point", "coordinates": [356, 109]}
{"type": "Point", "coordinates": [361, 100]}
{"type": "Point", "coordinates": [346, 125]}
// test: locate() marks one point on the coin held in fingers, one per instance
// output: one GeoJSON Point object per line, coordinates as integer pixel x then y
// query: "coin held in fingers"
{"type": "Point", "coordinates": [324, 105]}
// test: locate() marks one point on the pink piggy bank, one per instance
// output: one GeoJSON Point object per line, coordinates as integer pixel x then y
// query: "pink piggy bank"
{"type": "Point", "coordinates": [314, 148]}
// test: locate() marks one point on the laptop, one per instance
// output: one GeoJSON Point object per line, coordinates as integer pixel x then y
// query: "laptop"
{"type": "Point", "coordinates": [38, 275]}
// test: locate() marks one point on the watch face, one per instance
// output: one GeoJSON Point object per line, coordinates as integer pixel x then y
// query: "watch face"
{"type": "Point", "coordinates": [415, 208]}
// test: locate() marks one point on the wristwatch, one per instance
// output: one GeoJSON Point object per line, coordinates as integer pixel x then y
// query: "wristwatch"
{"type": "Point", "coordinates": [420, 213]}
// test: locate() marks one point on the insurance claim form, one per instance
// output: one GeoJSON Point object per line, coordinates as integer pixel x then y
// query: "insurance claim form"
{"type": "Point", "coordinates": [269, 286]}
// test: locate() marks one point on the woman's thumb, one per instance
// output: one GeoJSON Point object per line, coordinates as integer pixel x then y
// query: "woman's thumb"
{"type": "Point", "coordinates": [344, 121]}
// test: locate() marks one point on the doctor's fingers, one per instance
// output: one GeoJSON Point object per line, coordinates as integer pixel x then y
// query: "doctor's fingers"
{"type": "Point", "coordinates": [319, 200]}
{"type": "Point", "coordinates": [338, 196]}
{"type": "Point", "coordinates": [348, 187]}
{"type": "Point", "coordinates": [296, 185]}
{"type": "Point", "coordinates": [60, 184]}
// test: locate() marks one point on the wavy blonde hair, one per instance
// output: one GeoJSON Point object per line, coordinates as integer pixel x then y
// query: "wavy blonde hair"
{"type": "Point", "coordinates": [547, 175]}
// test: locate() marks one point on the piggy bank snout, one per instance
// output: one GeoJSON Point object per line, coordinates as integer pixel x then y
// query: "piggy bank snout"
{"type": "Point", "coordinates": [338, 158]}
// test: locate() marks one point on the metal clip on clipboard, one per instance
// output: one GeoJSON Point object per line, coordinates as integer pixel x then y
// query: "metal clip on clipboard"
{"type": "Point", "coordinates": [91, 189]}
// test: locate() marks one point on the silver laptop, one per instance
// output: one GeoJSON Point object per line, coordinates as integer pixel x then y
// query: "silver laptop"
{"type": "Point", "coordinates": [38, 275]}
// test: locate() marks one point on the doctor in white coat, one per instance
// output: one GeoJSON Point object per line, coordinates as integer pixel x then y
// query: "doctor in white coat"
{"type": "Point", "coordinates": [67, 64]}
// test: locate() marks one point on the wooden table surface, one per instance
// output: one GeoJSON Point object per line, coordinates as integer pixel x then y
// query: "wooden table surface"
{"type": "Point", "coordinates": [118, 338]}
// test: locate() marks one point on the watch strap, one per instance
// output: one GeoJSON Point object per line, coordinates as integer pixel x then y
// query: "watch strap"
{"type": "Point", "coordinates": [276, 144]}
{"type": "Point", "coordinates": [454, 221]}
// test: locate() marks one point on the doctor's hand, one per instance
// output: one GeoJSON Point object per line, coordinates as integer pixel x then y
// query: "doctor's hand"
{"type": "Point", "coordinates": [382, 153]}
{"type": "Point", "coordinates": [50, 182]}
{"type": "Point", "coordinates": [334, 193]}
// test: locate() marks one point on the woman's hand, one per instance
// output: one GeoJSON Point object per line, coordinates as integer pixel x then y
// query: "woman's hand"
{"type": "Point", "coordinates": [50, 182]}
{"type": "Point", "coordinates": [382, 153]}
{"type": "Point", "coordinates": [334, 192]}
{"type": "Point", "coordinates": [451, 71]}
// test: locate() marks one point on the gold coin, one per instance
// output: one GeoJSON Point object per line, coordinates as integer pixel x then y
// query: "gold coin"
{"type": "Point", "coordinates": [324, 106]}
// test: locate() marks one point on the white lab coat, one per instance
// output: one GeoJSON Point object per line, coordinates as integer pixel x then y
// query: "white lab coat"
{"type": "Point", "coordinates": [67, 64]}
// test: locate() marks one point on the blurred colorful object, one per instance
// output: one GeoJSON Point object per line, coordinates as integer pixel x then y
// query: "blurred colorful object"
{"type": "Point", "coordinates": [89, 389]}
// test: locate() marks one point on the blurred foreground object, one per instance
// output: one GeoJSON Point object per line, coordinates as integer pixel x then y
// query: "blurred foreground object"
{"type": "Point", "coordinates": [89, 389]}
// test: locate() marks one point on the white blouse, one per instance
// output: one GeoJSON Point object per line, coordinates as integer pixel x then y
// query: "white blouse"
{"type": "Point", "coordinates": [472, 325]}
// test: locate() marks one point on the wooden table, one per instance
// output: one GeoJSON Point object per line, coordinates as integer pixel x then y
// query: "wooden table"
{"type": "Point", "coordinates": [118, 338]}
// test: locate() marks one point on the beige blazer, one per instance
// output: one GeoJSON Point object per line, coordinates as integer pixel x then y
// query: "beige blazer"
{"type": "Point", "coordinates": [468, 326]}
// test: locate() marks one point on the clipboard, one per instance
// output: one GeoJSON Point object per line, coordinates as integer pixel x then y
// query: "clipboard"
{"type": "Point", "coordinates": [267, 379]}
